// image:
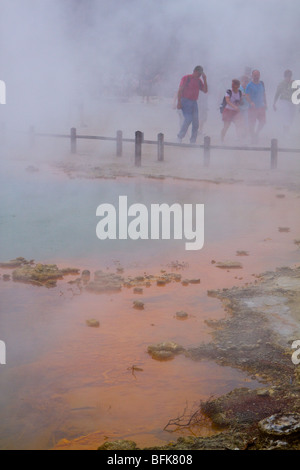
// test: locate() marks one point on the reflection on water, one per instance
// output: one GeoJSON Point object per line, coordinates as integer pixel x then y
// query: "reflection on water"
{"type": "Point", "coordinates": [64, 379]}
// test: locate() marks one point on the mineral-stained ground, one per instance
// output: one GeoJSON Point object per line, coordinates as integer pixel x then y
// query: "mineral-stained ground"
{"type": "Point", "coordinates": [251, 340]}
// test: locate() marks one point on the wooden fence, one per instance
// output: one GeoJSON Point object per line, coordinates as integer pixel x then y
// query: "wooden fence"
{"type": "Point", "coordinates": [161, 144]}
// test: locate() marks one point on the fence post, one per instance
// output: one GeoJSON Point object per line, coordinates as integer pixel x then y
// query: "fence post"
{"type": "Point", "coordinates": [274, 153]}
{"type": "Point", "coordinates": [31, 136]}
{"type": "Point", "coordinates": [160, 147]}
{"type": "Point", "coordinates": [206, 151]}
{"type": "Point", "coordinates": [139, 137]}
{"type": "Point", "coordinates": [73, 140]}
{"type": "Point", "coordinates": [119, 143]}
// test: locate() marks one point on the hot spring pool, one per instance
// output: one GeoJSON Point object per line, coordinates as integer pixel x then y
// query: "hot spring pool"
{"type": "Point", "coordinates": [63, 379]}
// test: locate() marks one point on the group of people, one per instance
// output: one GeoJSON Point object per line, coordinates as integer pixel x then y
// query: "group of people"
{"type": "Point", "coordinates": [244, 104]}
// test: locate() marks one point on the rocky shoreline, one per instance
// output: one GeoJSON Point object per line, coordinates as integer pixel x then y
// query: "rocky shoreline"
{"type": "Point", "coordinates": [256, 337]}
{"type": "Point", "coordinates": [268, 417]}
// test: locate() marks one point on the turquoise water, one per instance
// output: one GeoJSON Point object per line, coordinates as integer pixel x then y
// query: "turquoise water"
{"type": "Point", "coordinates": [46, 217]}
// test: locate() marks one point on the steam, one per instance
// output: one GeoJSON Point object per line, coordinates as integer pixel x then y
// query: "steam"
{"type": "Point", "coordinates": [59, 58]}
{"type": "Point", "coordinates": [68, 63]}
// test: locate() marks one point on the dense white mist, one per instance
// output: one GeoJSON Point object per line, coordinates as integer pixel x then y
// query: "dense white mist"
{"type": "Point", "coordinates": [56, 54]}
{"type": "Point", "coordinates": [61, 57]}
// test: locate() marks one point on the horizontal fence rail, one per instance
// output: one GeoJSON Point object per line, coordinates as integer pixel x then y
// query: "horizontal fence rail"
{"type": "Point", "coordinates": [161, 143]}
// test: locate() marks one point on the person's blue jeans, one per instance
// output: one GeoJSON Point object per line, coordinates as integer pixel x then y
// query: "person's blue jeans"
{"type": "Point", "coordinates": [190, 114]}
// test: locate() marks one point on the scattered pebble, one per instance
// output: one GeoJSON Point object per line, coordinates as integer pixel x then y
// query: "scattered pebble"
{"type": "Point", "coordinates": [93, 323]}
{"type": "Point", "coordinates": [85, 276]}
{"type": "Point", "coordinates": [137, 290]}
{"type": "Point", "coordinates": [164, 351]}
{"type": "Point", "coordinates": [138, 305]}
{"type": "Point", "coordinates": [181, 315]}
{"type": "Point", "coordinates": [229, 265]}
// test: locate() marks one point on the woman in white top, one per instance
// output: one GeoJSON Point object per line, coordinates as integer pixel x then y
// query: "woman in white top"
{"type": "Point", "coordinates": [231, 112]}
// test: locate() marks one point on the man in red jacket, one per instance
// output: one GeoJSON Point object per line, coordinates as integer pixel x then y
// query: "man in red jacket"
{"type": "Point", "coordinates": [187, 97]}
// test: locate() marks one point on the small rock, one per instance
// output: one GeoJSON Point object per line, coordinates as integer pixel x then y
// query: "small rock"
{"type": "Point", "coordinates": [137, 290]}
{"type": "Point", "coordinates": [281, 425]}
{"type": "Point", "coordinates": [262, 392]}
{"type": "Point", "coordinates": [127, 284]}
{"type": "Point", "coordinates": [162, 355]}
{"type": "Point", "coordinates": [181, 315]}
{"type": "Point", "coordinates": [85, 276]}
{"type": "Point", "coordinates": [93, 323]}
{"type": "Point", "coordinates": [229, 265]}
{"type": "Point", "coordinates": [105, 282]}
{"type": "Point", "coordinates": [212, 292]}
{"type": "Point", "coordinates": [164, 351]}
{"type": "Point", "coordinates": [138, 305]}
